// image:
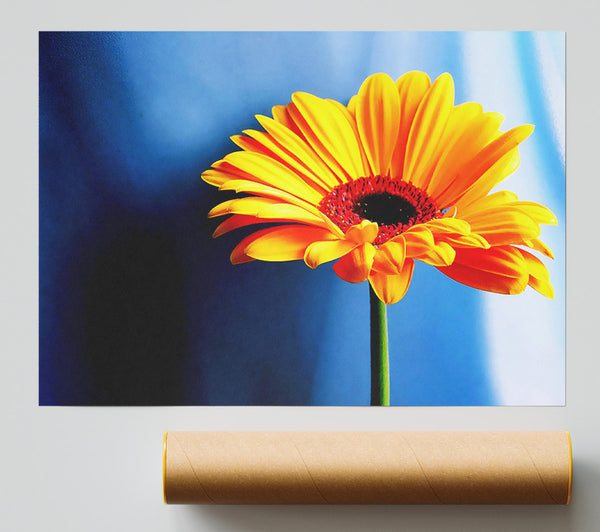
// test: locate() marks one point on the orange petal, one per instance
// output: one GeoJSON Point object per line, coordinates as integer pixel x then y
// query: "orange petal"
{"type": "Point", "coordinates": [499, 269]}
{"type": "Point", "coordinates": [365, 231]}
{"type": "Point", "coordinates": [392, 288]}
{"type": "Point", "coordinates": [356, 265]}
{"type": "Point", "coordinates": [319, 252]}
{"type": "Point", "coordinates": [378, 120]}
{"type": "Point", "coordinates": [281, 243]}
{"type": "Point", "coordinates": [389, 258]}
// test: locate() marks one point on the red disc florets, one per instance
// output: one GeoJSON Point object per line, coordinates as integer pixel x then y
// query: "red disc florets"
{"type": "Point", "coordinates": [394, 204]}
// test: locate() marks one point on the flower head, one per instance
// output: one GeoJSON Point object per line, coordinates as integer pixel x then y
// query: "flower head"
{"type": "Point", "coordinates": [399, 174]}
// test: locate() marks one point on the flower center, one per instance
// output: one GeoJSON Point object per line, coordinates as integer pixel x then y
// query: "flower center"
{"type": "Point", "coordinates": [393, 204]}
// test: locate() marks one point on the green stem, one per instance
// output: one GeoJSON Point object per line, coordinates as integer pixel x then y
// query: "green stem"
{"type": "Point", "coordinates": [380, 368]}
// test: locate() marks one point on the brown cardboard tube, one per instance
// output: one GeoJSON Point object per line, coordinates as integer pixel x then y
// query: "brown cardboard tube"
{"type": "Point", "coordinates": [367, 467]}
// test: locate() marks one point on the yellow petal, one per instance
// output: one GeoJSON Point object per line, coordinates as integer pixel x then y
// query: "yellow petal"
{"type": "Point", "coordinates": [392, 288]}
{"type": "Point", "coordinates": [472, 240]}
{"type": "Point", "coordinates": [281, 243]}
{"type": "Point", "coordinates": [236, 221]}
{"type": "Point", "coordinates": [543, 287]}
{"type": "Point", "coordinates": [366, 168]}
{"type": "Point", "coordinates": [268, 209]}
{"type": "Point", "coordinates": [481, 163]}
{"type": "Point", "coordinates": [421, 245]}
{"type": "Point", "coordinates": [378, 120]}
{"type": "Point", "coordinates": [215, 177]}
{"type": "Point", "coordinates": [250, 205]}
{"type": "Point", "coordinates": [281, 115]}
{"type": "Point", "coordinates": [417, 237]}
{"type": "Point", "coordinates": [449, 225]}
{"type": "Point", "coordinates": [537, 212]}
{"type": "Point", "coordinates": [319, 252]}
{"type": "Point", "coordinates": [264, 143]}
{"type": "Point", "coordinates": [459, 120]}
{"type": "Point", "coordinates": [538, 245]}
{"type": "Point", "coordinates": [502, 197]}
{"type": "Point", "coordinates": [355, 266]}
{"type": "Point", "coordinates": [222, 171]}
{"type": "Point", "coordinates": [441, 254]}
{"type": "Point", "coordinates": [469, 130]}
{"type": "Point", "coordinates": [539, 278]}
{"type": "Point", "coordinates": [501, 225]}
{"type": "Point", "coordinates": [258, 189]}
{"type": "Point", "coordinates": [427, 129]}
{"type": "Point", "coordinates": [352, 106]}
{"type": "Point", "coordinates": [535, 266]}
{"type": "Point", "coordinates": [291, 213]}
{"type": "Point", "coordinates": [455, 232]}
{"type": "Point", "coordinates": [412, 87]}
{"type": "Point", "coordinates": [299, 148]}
{"type": "Point", "coordinates": [499, 171]}
{"type": "Point", "coordinates": [327, 130]}
{"type": "Point", "coordinates": [266, 170]}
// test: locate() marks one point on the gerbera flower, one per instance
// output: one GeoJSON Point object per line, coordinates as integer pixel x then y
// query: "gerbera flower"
{"type": "Point", "coordinates": [399, 174]}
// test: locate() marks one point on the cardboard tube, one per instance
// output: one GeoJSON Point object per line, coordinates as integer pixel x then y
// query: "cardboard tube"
{"type": "Point", "coordinates": [367, 467]}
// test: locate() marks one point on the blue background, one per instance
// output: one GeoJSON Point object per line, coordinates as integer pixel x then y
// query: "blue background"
{"type": "Point", "coordinates": [139, 305]}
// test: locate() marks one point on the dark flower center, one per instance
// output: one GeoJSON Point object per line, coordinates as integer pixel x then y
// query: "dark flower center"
{"type": "Point", "coordinates": [393, 204]}
{"type": "Point", "coordinates": [385, 208]}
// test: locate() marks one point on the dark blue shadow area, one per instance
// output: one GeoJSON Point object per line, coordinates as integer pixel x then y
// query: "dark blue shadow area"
{"type": "Point", "coordinates": [139, 305]}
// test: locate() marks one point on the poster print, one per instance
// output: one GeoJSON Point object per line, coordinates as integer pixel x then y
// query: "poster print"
{"type": "Point", "coordinates": [390, 221]}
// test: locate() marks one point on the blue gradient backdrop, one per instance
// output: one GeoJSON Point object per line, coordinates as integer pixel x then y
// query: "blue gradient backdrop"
{"type": "Point", "coordinates": [139, 305]}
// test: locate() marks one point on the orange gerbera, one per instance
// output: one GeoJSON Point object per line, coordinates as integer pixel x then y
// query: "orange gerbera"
{"type": "Point", "coordinates": [399, 174]}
